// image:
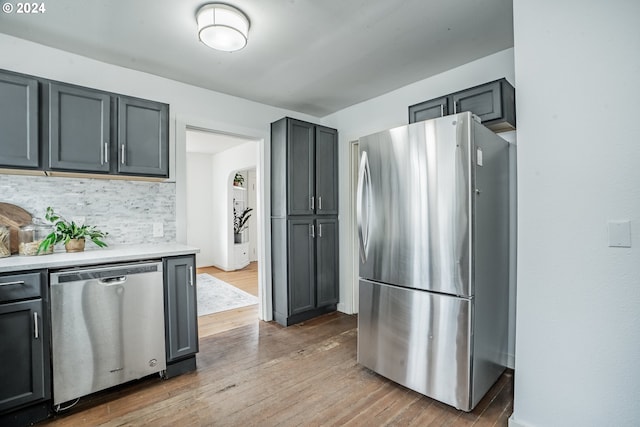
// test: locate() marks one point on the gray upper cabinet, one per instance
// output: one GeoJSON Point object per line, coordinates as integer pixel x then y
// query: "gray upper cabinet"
{"type": "Point", "coordinates": [48, 125]}
{"type": "Point", "coordinates": [143, 128]}
{"type": "Point", "coordinates": [429, 109]}
{"type": "Point", "coordinates": [493, 103]}
{"type": "Point", "coordinates": [484, 101]}
{"type": "Point", "coordinates": [304, 169]}
{"type": "Point", "coordinates": [19, 121]}
{"type": "Point", "coordinates": [79, 129]}
{"type": "Point", "coordinates": [301, 168]}
{"type": "Point", "coordinates": [326, 171]}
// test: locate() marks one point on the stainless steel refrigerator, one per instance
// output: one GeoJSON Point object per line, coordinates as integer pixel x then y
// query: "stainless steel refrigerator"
{"type": "Point", "coordinates": [433, 224]}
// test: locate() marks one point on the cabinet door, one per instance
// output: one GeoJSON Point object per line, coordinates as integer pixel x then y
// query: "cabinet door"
{"type": "Point", "coordinates": [300, 168]}
{"type": "Point", "coordinates": [181, 317]}
{"type": "Point", "coordinates": [431, 109]}
{"type": "Point", "coordinates": [80, 129]}
{"type": "Point", "coordinates": [18, 121]}
{"type": "Point", "coordinates": [326, 152]}
{"type": "Point", "coordinates": [143, 137]}
{"type": "Point", "coordinates": [483, 101]}
{"type": "Point", "coordinates": [301, 265]}
{"type": "Point", "coordinates": [22, 357]}
{"type": "Point", "coordinates": [327, 261]}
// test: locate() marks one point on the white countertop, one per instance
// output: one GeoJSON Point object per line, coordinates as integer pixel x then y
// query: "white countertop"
{"type": "Point", "coordinates": [108, 255]}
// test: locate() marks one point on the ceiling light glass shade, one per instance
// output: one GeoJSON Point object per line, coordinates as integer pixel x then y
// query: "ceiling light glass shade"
{"type": "Point", "coordinates": [222, 27]}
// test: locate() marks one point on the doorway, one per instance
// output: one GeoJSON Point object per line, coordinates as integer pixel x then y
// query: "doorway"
{"type": "Point", "coordinates": [220, 188]}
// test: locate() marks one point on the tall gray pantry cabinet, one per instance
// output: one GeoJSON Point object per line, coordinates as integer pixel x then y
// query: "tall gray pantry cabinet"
{"type": "Point", "coordinates": [304, 220]}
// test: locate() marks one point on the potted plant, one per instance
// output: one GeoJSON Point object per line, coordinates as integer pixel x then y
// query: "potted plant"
{"type": "Point", "coordinates": [240, 223]}
{"type": "Point", "coordinates": [238, 180]}
{"type": "Point", "coordinates": [71, 234]}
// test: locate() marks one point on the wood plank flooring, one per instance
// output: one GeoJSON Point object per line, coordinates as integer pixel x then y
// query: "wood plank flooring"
{"type": "Point", "coordinates": [245, 279]}
{"type": "Point", "coordinates": [263, 374]}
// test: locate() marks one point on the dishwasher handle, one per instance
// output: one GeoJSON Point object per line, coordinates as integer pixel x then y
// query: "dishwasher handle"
{"type": "Point", "coordinates": [111, 281]}
{"type": "Point", "coordinates": [105, 274]}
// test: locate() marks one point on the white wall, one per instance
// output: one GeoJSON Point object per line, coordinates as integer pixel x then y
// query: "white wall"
{"type": "Point", "coordinates": [201, 203]}
{"type": "Point", "coordinates": [224, 166]}
{"type": "Point", "coordinates": [388, 111]}
{"type": "Point", "coordinates": [577, 65]}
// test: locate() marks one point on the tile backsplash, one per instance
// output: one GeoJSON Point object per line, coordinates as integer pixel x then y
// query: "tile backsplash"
{"type": "Point", "coordinates": [126, 210]}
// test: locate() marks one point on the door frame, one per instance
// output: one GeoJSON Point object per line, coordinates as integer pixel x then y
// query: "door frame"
{"type": "Point", "coordinates": [177, 173]}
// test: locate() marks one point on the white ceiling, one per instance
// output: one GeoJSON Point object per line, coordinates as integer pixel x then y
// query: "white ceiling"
{"type": "Point", "coordinates": [310, 56]}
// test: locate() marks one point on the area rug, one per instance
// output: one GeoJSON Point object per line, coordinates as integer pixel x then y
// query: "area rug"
{"type": "Point", "coordinates": [214, 295]}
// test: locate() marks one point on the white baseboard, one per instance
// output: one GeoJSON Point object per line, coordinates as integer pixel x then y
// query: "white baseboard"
{"type": "Point", "coordinates": [342, 308]}
{"type": "Point", "coordinates": [511, 361]}
{"type": "Point", "coordinates": [514, 423]}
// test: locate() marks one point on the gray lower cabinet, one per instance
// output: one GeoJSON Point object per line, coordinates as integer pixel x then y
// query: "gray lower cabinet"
{"type": "Point", "coordinates": [25, 372]}
{"type": "Point", "coordinates": [79, 129]}
{"type": "Point", "coordinates": [19, 121]}
{"type": "Point", "coordinates": [143, 128]}
{"type": "Point", "coordinates": [305, 268]}
{"type": "Point", "coordinates": [326, 261]}
{"type": "Point", "coordinates": [493, 103]}
{"type": "Point", "coordinates": [301, 267]}
{"type": "Point", "coordinates": [181, 317]}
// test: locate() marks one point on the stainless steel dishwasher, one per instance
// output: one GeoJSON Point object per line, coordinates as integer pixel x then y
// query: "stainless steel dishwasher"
{"type": "Point", "coordinates": [107, 327]}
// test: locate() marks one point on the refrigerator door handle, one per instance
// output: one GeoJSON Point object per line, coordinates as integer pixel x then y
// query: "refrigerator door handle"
{"type": "Point", "coordinates": [362, 211]}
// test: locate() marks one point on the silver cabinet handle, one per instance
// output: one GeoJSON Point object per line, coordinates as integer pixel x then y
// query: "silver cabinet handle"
{"type": "Point", "coordinates": [312, 203]}
{"type": "Point", "coordinates": [319, 230]}
{"type": "Point", "coordinates": [191, 275]}
{"type": "Point", "coordinates": [106, 152]}
{"type": "Point", "coordinates": [319, 203]}
{"type": "Point", "coordinates": [441, 110]}
{"type": "Point", "coordinates": [122, 154]}
{"type": "Point", "coordinates": [312, 231]}
{"type": "Point", "coordinates": [18, 282]}
{"type": "Point", "coordinates": [35, 325]}
{"type": "Point", "coordinates": [455, 107]}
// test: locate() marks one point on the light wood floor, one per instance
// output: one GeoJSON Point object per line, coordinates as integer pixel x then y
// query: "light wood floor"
{"type": "Point", "coordinates": [245, 279]}
{"type": "Point", "coordinates": [266, 375]}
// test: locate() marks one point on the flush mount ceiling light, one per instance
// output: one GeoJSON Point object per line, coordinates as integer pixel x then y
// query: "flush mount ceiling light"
{"type": "Point", "coordinates": [222, 27]}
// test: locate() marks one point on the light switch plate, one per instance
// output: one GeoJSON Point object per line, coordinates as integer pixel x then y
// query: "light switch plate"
{"type": "Point", "coordinates": [619, 234]}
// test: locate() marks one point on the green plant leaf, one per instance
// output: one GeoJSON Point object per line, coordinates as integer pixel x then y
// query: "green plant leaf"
{"type": "Point", "coordinates": [66, 230]}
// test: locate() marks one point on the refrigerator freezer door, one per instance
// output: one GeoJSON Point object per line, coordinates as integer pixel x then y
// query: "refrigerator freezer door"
{"type": "Point", "coordinates": [416, 180]}
{"type": "Point", "coordinates": [418, 339]}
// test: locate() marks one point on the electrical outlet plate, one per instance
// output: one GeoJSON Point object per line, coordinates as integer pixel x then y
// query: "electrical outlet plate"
{"type": "Point", "coordinates": [158, 229]}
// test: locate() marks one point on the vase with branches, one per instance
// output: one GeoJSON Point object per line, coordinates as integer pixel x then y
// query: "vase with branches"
{"type": "Point", "coordinates": [240, 222]}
